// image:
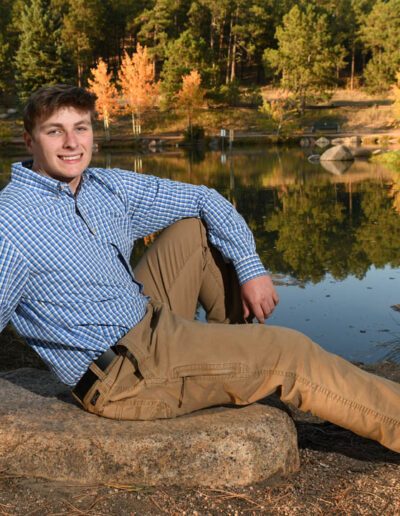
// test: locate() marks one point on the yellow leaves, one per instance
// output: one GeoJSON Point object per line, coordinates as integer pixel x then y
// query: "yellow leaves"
{"type": "Point", "coordinates": [191, 95]}
{"type": "Point", "coordinates": [139, 91]}
{"type": "Point", "coordinates": [105, 90]}
{"type": "Point", "coordinates": [281, 112]}
{"type": "Point", "coordinates": [136, 79]}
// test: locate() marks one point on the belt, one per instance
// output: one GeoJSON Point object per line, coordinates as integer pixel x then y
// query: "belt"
{"type": "Point", "coordinates": [89, 378]}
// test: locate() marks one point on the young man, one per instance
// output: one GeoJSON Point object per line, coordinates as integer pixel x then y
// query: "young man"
{"type": "Point", "coordinates": [126, 340]}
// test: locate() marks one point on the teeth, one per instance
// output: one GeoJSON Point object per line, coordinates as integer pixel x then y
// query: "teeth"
{"type": "Point", "coordinates": [70, 158]}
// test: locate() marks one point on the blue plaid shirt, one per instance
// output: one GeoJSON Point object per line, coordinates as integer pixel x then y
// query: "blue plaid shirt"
{"type": "Point", "coordinates": [66, 282]}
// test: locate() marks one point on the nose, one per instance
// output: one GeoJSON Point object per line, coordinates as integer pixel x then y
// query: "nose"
{"type": "Point", "coordinates": [70, 140]}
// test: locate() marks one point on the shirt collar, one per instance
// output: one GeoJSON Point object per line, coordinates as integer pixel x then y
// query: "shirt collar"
{"type": "Point", "coordinates": [22, 173]}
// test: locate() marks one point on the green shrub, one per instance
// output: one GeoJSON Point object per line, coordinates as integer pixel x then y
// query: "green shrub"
{"type": "Point", "coordinates": [5, 133]}
{"type": "Point", "coordinates": [229, 93]}
{"type": "Point", "coordinates": [194, 134]}
{"type": "Point", "coordinates": [390, 159]}
{"type": "Point", "coordinates": [252, 96]}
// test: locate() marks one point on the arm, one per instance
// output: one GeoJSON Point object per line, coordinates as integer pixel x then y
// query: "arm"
{"type": "Point", "coordinates": [13, 278]}
{"type": "Point", "coordinates": [156, 203]}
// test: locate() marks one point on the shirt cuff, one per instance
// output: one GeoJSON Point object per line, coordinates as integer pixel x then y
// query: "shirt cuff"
{"type": "Point", "coordinates": [249, 268]}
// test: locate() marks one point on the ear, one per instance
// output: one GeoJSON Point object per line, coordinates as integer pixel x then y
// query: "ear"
{"type": "Point", "coordinates": [28, 141]}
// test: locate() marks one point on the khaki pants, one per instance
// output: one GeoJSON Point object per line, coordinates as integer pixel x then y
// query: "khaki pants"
{"type": "Point", "coordinates": [185, 365]}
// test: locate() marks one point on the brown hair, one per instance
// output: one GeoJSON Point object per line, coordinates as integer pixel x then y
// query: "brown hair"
{"type": "Point", "coordinates": [45, 101]}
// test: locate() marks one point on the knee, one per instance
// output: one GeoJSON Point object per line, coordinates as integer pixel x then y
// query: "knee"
{"type": "Point", "coordinates": [190, 229]}
{"type": "Point", "coordinates": [293, 343]}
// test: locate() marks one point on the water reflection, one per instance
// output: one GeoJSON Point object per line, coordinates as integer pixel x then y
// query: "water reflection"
{"type": "Point", "coordinates": [330, 237]}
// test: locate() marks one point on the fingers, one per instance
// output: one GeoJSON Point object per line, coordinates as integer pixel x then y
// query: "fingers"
{"type": "Point", "coordinates": [259, 298]}
{"type": "Point", "coordinates": [260, 309]}
{"type": "Point", "coordinates": [268, 306]}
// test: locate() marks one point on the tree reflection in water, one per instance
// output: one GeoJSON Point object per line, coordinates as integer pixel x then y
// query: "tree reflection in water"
{"type": "Point", "coordinates": [311, 231]}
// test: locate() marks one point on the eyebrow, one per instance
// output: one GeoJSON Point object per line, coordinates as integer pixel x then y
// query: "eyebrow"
{"type": "Point", "coordinates": [56, 124]}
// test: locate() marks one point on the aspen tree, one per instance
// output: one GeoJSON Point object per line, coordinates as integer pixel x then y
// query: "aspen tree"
{"type": "Point", "coordinates": [190, 96]}
{"type": "Point", "coordinates": [106, 103]}
{"type": "Point", "coordinates": [138, 88]}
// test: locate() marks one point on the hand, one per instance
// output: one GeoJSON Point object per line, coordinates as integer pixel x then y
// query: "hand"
{"type": "Point", "coordinates": [259, 298]}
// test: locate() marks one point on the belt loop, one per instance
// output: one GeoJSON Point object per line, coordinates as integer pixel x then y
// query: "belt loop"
{"type": "Point", "coordinates": [124, 351]}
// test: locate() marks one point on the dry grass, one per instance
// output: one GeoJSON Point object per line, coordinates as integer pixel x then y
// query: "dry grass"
{"type": "Point", "coordinates": [358, 95]}
{"type": "Point", "coordinates": [370, 118]}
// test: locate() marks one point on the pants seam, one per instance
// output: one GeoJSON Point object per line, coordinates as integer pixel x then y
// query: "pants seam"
{"type": "Point", "coordinates": [171, 286]}
{"type": "Point", "coordinates": [332, 395]}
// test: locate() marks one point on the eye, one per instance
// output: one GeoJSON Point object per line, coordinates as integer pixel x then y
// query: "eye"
{"type": "Point", "coordinates": [82, 128]}
{"type": "Point", "coordinates": [53, 132]}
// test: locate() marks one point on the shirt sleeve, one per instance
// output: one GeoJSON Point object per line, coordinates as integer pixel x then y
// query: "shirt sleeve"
{"type": "Point", "coordinates": [156, 203]}
{"type": "Point", "coordinates": [13, 278]}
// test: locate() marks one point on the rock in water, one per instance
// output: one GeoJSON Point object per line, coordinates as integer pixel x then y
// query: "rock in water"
{"type": "Point", "coordinates": [314, 158]}
{"type": "Point", "coordinates": [336, 167]}
{"type": "Point", "coordinates": [44, 433]}
{"type": "Point", "coordinates": [337, 153]}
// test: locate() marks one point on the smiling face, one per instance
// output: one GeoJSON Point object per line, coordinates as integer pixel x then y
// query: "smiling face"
{"type": "Point", "coordinates": [62, 145]}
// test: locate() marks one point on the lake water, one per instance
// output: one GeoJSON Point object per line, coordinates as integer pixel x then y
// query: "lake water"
{"type": "Point", "coordinates": [331, 241]}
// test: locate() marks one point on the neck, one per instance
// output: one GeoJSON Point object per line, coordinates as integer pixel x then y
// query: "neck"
{"type": "Point", "coordinates": [73, 183]}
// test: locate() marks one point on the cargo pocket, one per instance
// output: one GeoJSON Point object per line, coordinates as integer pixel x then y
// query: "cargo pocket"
{"type": "Point", "coordinates": [210, 370]}
{"type": "Point", "coordinates": [205, 385]}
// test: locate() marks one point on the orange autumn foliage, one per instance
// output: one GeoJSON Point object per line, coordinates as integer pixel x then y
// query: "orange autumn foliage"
{"type": "Point", "coordinates": [190, 96]}
{"type": "Point", "coordinates": [106, 92]}
{"type": "Point", "coordinates": [395, 191]}
{"type": "Point", "coordinates": [138, 88]}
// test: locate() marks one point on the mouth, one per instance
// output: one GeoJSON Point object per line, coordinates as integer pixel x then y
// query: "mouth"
{"type": "Point", "coordinates": [75, 157]}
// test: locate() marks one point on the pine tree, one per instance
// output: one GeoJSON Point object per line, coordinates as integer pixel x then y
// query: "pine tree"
{"type": "Point", "coordinates": [183, 55]}
{"type": "Point", "coordinates": [6, 70]}
{"type": "Point", "coordinates": [380, 33]}
{"type": "Point", "coordinates": [82, 30]}
{"type": "Point", "coordinates": [306, 58]}
{"type": "Point", "coordinates": [209, 20]}
{"type": "Point", "coordinates": [138, 87]}
{"type": "Point", "coordinates": [41, 57]}
{"type": "Point", "coordinates": [4, 62]}
{"type": "Point", "coordinates": [106, 92]}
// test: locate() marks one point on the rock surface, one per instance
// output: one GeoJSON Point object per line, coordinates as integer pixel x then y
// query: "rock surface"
{"type": "Point", "coordinates": [44, 433]}
{"type": "Point", "coordinates": [337, 153]}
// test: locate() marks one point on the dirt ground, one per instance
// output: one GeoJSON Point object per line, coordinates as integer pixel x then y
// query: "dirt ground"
{"type": "Point", "coordinates": [340, 474]}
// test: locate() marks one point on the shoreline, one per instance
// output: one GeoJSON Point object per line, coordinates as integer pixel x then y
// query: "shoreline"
{"type": "Point", "coordinates": [160, 140]}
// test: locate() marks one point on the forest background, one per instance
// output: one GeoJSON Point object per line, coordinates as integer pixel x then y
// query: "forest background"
{"type": "Point", "coordinates": [308, 48]}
